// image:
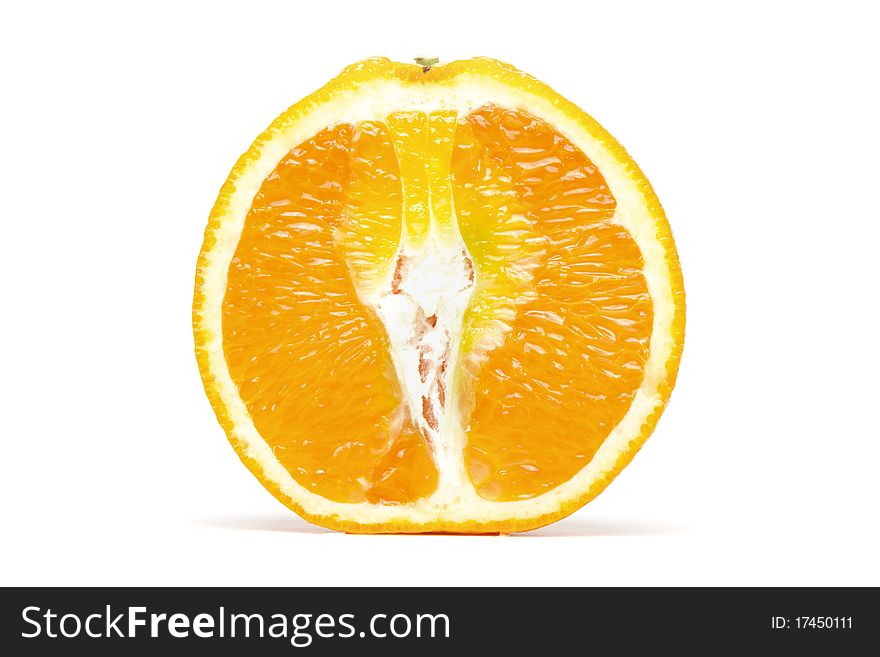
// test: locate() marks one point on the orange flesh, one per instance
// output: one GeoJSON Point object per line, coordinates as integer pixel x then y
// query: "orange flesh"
{"type": "Point", "coordinates": [574, 355]}
{"type": "Point", "coordinates": [311, 362]}
{"type": "Point", "coordinates": [554, 340]}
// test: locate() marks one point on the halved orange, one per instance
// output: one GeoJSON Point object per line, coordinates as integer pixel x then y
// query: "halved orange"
{"type": "Point", "coordinates": [437, 299]}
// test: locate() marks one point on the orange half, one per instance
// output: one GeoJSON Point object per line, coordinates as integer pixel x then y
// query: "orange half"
{"type": "Point", "coordinates": [437, 299]}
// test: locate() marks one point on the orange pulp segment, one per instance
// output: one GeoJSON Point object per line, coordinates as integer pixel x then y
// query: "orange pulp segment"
{"type": "Point", "coordinates": [536, 216]}
{"type": "Point", "coordinates": [310, 361]}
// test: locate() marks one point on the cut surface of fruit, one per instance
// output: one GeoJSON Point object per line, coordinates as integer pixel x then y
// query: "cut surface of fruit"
{"type": "Point", "coordinates": [437, 299]}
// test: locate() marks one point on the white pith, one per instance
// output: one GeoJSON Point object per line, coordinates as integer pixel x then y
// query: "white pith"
{"type": "Point", "coordinates": [455, 500]}
{"type": "Point", "coordinates": [434, 283]}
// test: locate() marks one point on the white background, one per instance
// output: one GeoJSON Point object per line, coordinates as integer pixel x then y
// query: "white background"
{"type": "Point", "coordinates": [757, 126]}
